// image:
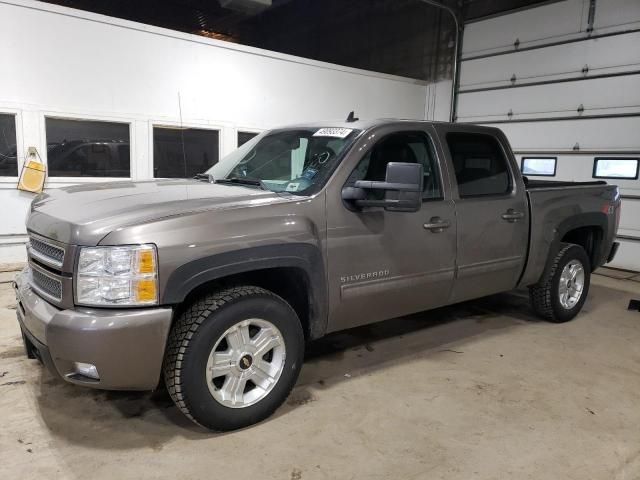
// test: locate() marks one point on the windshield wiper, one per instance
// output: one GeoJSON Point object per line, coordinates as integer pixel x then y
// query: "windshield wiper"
{"type": "Point", "coordinates": [204, 176]}
{"type": "Point", "coordinates": [242, 181]}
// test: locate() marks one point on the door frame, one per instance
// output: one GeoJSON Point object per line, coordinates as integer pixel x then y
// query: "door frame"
{"type": "Point", "coordinates": [333, 191]}
{"type": "Point", "coordinates": [517, 193]}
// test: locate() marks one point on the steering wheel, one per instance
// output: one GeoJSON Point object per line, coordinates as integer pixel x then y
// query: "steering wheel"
{"type": "Point", "coordinates": [319, 159]}
{"type": "Point", "coordinates": [316, 162]}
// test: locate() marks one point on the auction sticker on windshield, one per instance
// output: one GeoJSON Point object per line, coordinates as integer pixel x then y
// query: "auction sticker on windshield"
{"type": "Point", "coordinates": [333, 132]}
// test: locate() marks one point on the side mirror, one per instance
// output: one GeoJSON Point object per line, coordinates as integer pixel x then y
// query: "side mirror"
{"type": "Point", "coordinates": [402, 189]}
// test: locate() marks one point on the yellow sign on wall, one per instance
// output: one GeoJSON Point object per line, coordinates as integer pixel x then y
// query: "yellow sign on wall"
{"type": "Point", "coordinates": [33, 174]}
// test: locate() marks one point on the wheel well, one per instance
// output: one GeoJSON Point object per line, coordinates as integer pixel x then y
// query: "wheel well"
{"type": "Point", "coordinates": [589, 238]}
{"type": "Point", "coordinates": [290, 283]}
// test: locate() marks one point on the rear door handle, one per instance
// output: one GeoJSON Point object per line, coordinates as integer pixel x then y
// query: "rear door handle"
{"type": "Point", "coordinates": [512, 215]}
{"type": "Point", "coordinates": [437, 224]}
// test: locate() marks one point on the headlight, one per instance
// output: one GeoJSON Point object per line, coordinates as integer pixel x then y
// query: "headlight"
{"type": "Point", "coordinates": [125, 275]}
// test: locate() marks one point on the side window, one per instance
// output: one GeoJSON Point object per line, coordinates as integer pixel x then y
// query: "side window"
{"type": "Point", "coordinates": [539, 166]}
{"type": "Point", "coordinates": [87, 148]}
{"type": "Point", "coordinates": [409, 147]}
{"type": "Point", "coordinates": [183, 152]}
{"type": "Point", "coordinates": [244, 137]}
{"type": "Point", "coordinates": [8, 146]}
{"type": "Point", "coordinates": [480, 165]}
{"type": "Point", "coordinates": [616, 168]}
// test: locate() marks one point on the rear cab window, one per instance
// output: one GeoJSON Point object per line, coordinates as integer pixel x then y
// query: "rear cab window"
{"type": "Point", "coordinates": [480, 165]}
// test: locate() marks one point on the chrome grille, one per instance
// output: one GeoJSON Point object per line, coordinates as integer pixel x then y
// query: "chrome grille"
{"type": "Point", "coordinates": [46, 251]}
{"type": "Point", "coordinates": [50, 286]}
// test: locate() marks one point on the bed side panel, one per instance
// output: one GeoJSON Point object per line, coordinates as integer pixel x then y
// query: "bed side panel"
{"type": "Point", "coordinates": [556, 211]}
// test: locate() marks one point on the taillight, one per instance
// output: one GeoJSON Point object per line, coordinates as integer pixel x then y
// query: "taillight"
{"type": "Point", "coordinates": [613, 208]}
{"type": "Point", "coordinates": [608, 208]}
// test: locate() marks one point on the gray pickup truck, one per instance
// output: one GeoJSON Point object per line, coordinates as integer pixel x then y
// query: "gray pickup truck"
{"type": "Point", "coordinates": [214, 284]}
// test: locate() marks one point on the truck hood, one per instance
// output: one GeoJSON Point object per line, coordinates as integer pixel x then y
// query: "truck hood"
{"type": "Point", "coordinates": [84, 214]}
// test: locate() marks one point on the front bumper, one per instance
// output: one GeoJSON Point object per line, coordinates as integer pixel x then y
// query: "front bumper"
{"type": "Point", "coordinates": [126, 346]}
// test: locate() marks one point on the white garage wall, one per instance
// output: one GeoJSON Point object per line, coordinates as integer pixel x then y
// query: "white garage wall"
{"type": "Point", "coordinates": [565, 91]}
{"type": "Point", "coordinates": [68, 63]}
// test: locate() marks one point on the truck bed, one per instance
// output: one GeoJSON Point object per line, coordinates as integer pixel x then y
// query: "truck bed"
{"type": "Point", "coordinates": [555, 207]}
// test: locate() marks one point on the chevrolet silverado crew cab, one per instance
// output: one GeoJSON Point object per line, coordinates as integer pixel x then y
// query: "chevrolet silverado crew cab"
{"type": "Point", "coordinates": [214, 284]}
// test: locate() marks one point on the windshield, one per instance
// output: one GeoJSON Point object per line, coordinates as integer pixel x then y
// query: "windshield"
{"type": "Point", "coordinates": [293, 160]}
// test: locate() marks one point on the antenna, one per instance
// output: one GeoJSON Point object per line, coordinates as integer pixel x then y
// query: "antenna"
{"type": "Point", "coordinates": [352, 118]}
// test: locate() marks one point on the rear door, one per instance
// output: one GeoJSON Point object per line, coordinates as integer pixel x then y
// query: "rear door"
{"type": "Point", "coordinates": [491, 210]}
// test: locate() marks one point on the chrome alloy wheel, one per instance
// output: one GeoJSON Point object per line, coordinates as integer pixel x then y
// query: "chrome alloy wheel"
{"type": "Point", "coordinates": [571, 284]}
{"type": "Point", "coordinates": [245, 363]}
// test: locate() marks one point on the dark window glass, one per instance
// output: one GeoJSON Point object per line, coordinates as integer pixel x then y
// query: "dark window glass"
{"type": "Point", "coordinates": [409, 147]}
{"type": "Point", "coordinates": [183, 152]}
{"type": "Point", "coordinates": [244, 137]}
{"type": "Point", "coordinates": [479, 163]}
{"type": "Point", "coordinates": [8, 148]}
{"type": "Point", "coordinates": [87, 148]}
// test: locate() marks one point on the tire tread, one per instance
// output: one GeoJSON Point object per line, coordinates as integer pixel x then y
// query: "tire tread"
{"type": "Point", "coordinates": [184, 329]}
{"type": "Point", "coordinates": [541, 294]}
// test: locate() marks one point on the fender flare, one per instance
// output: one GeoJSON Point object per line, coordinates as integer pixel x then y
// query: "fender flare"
{"type": "Point", "coordinates": [305, 257]}
{"type": "Point", "coordinates": [591, 219]}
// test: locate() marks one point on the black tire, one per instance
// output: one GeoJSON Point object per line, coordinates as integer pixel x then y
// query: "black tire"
{"type": "Point", "coordinates": [545, 295]}
{"type": "Point", "coordinates": [195, 333]}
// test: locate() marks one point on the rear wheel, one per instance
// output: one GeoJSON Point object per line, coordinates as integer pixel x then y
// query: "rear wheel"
{"type": "Point", "coordinates": [233, 357]}
{"type": "Point", "coordinates": [560, 295]}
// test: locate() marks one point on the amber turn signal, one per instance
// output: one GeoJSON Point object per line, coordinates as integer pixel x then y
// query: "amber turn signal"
{"type": "Point", "coordinates": [146, 261]}
{"type": "Point", "coordinates": [145, 290]}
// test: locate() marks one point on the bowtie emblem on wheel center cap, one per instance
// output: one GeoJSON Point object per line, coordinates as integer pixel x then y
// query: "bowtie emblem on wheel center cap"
{"type": "Point", "coordinates": [245, 362]}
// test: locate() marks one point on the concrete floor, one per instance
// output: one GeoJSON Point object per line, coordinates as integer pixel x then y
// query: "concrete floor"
{"type": "Point", "coordinates": [481, 390]}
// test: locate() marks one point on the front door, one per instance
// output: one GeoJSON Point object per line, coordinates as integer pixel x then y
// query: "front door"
{"type": "Point", "coordinates": [492, 212]}
{"type": "Point", "coordinates": [384, 264]}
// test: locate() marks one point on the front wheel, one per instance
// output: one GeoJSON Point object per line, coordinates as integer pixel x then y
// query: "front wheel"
{"type": "Point", "coordinates": [233, 357]}
{"type": "Point", "coordinates": [560, 295]}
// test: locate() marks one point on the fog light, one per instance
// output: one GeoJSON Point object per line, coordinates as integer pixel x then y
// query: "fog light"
{"type": "Point", "coordinates": [86, 370]}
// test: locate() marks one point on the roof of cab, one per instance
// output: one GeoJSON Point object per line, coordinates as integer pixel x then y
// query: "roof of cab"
{"type": "Point", "coordinates": [368, 124]}
{"type": "Point", "coordinates": [359, 124]}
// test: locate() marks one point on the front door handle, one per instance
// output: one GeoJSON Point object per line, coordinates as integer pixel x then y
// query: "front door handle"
{"type": "Point", "coordinates": [437, 224]}
{"type": "Point", "coordinates": [512, 215]}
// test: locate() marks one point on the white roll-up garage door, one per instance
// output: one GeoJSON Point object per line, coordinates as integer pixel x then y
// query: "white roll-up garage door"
{"type": "Point", "coordinates": [563, 81]}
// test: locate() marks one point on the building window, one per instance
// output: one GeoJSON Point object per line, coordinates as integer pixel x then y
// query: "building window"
{"type": "Point", "coordinates": [183, 152]}
{"type": "Point", "coordinates": [611, 167]}
{"type": "Point", "coordinates": [87, 148]}
{"type": "Point", "coordinates": [480, 164]}
{"type": "Point", "coordinates": [539, 166]}
{"type": "Point", "coordinates": [244, 137]}
{"type": "Point", "coordinates": [8, 146]}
